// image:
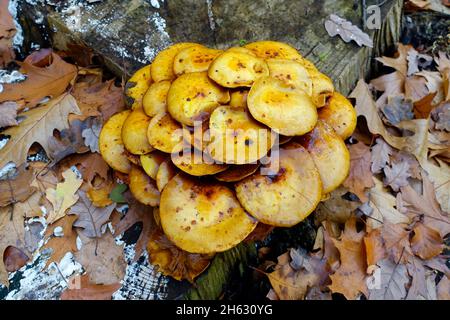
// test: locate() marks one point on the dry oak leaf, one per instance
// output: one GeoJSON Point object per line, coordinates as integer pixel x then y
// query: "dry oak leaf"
{"type": "Point", "coordinates": [62, 244]}
{"type": "Point", "coordinates": [397, 175]}
{"type": "Point", "coordinates": [137, 212]}
{"type": "Point", "coordinates": [426, 242]}
{"type": "Point", "coordinates": [7, 32]}
{"type": "Point", "coordinates": [396, 242]}
{"type": "Point", "coordinates": [423, 107]}
{"type": "Point", "coordinates": [384, 208]}
{"type": "Point", "coordinates": [14, 258]}
{"type": "Point", "coordinates": [102, 98]}
{"type": "Point", "coordinates": [350, 277]}
{"type": "Point", "coordinates": [335, 25]}
{"type": "Point", "coordinates": [393, 281]}
{"type": "Point", "coordinates": [426, 207]}
{"type": "Point", "coordinates": [91, 135]}
{"type": "Point", "coordinates": [89, 164]}
{"type": "Point", "coordinates": [439, 174]}
{"type": "Point", "coordinates": [102, 259]}
{"type": "Point", "coordinates": [391, 84]}
{"type": "Point", "coordinates": [100, 195]}
{"type": "Point", "coordinates": [47, 76]}
{"type": "Point", "coordinates": [443, 289]}
{"type": "Point", "coordinates": [365, 106]}
{"type": "Point", "coordinates": [63, 196]}
{"type": "Point", "coordinates": [37, 126]}
{"type": "Point", "coordinates": [400, 62]}
{"type": "Point", "coordinates": [68, 141]}
{"type": "Point", "coordinates": [398, 109]}
{"type": "Point", "coordinates": [360, 176]}
{"type": "Point", "coordinates": [9, 114]}
{"type": "Point", "coordinates": [90, 218]}
{"type": "Point", "coordinates": [381, 152]}
{"type": "Point", "coordinates": [416, 88]}
{"type": "Point", "coordinates": [374, 245]}
{"type": "Point", "coordinates": [174, 262]}
{"type": "Point", "coordinates": [296, 272]}
{"type": "Point", "coordinates": [336, 208]}
{"type": "Point", "coordinates": [18, 188]}
{"type": "Point", "coordinates": [12, 233]}
{"type": "Point", "coordinates": [89, 291]}
{"type": "Point", "coordinates": [419, 288]}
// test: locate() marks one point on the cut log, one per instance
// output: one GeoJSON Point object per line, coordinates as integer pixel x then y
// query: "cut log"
{"type": "Point", "coordinates": [129, 33]}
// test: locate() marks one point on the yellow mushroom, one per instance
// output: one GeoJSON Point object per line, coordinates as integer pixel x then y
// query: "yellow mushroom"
{"type": "Point", "coordinates": [203, 217]}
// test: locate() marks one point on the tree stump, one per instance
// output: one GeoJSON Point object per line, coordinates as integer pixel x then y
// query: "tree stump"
{"type": "Point", "coordinates": [129, 33]}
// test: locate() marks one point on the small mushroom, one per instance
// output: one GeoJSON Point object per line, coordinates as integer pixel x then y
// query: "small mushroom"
{"type": "Point", "coordinates": [134, 132]}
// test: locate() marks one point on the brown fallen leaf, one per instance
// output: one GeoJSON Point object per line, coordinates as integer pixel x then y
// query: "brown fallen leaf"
{"type": "Point", "coordinates": [391, 84]}
{"type": "Point", "coordinates": [418, 288]}
{"type": "Point", "coordinates": [374, 244]}
{"type": "Point", "coordinates": [415, 144]}
{"type": "Point", "coordinates": [68, 141]}
{"type": "Point", "coordinates": [102, 98]}
{"type": "Point", "coordinates": [89, 164]}
{"type": "Point", "coordinates": [37, 126]}
{"type": "Point", "coordinates": [100, 195]}
{"type": "Point", "coordinates": [384, 208]}
{"type": "Point", "coordinates": [63, 196]}
{"type": "Point", "coordinates": [18, 188]}
{"type": "Point", "coordinates": [89, 291]}
{"type": "Point", "coordinates": [443, 289]}
{"type": "Point", "coordinates": [426, 207]}
{"type": "Point", "coordinates": [91, 135]}
{"type": "Point", "coordinates": [426, 242]}
{"type": "Point", "coordinates": [360, 176]}
{"type": "Point", "coordinates": [396, 241]}
{"type": "Point", "coordinates": [350, 277]}
{"type": "Point", "coordinates": [397, 175]}
{"type": "Point", "coordinates": [9, 113]}
{"type": "Point", "coordinates": [398, 109]}
{"type": "Point", "coordinates": [439, 174]}
{"type": "Point", "coordinates": [260, 233]}
{"type": "Point", "coordinates": [7, 32]}
{"type": "Point", "coordinates": [393, 280]}
{"type": "Point", "coordinates": [174, 262]}
{"type": "Point", "coordinates": [380, 153]}
{"type": "Point", "coordinates": [90, 218]}
{"type": "Point", "coordinates": [336, 208]}
{"type": "Point", "coordinates": [423, 107]}
{"type": "Point", "coordinates": [102, 259]}
{"type": "Point", "coordinates": [400, 62]}
{"type": "Point", "coordinates": [14, 258]}
{"type": "Point", "coordinates": [63, 244]}
{"type": "Point", "coordinates": [137, 212]}
{"type": "Point", "coordinates": [47, 76]}
{"type": "Point", "coordinates": [295, 273]}
{"type": "Point", "coordinates": [416, 88]}
{"type": "Point", "coordinates": [12, 233]}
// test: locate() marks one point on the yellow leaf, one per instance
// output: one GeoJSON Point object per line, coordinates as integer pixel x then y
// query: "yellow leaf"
{"type": "Point", "coordinates": [63, 197]}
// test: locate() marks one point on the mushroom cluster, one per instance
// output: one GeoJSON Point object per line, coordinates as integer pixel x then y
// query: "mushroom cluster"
{"type": "Point", "coordinates": [222, 140]}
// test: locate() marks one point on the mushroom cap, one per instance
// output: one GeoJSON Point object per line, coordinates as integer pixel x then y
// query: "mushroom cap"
{"type": "Point", "coordinates": [143, 187]}
{"type": "Point", "coordinates": [137, 85]}
{"type": "Point", "coordinates": [236, 138]}
{"type": "Point", "coordinates": [194, 59]}
{"type": "Point", "coordinates": [193, 96]}
{"type": "Point", "coordinates": [322, 88]}
{"type": "Point", "coordinates": [286, 110]}
{"type": "Point", "coordinates": [340, 115]}
{"type": "Point", "coordinates": [111, 144]}
{"type": "Point", "coordinates": [150, 162]}
{"type": "Point", "coordinates": [237, 172]}
{"type": "Point", "coordinates": [203, 217]}
{"type": "Point", "coordinates": [155, 99]}
{"type": "Point", "coordinates": [164, 133]}
{"type": "Point", "coordinates": [134, 132]}
{"type": "Point", "coordinates": [196, 162]}
{"type": "Point", "coordinates": [290, 72]}
{"type": "Point", "coordinates": [162, 65]}
{"type": "Point", "coordinates": [274, 50]}
{"type": "Point", "coordinates": [287, 196]}
{"type": "Point", "coordinates": [330, 155]}
{"type": "Point", "coordinates": [237, 67]}
{"type": "Point", "coordinates": [166, 172]}
{"type": "Point", "coordinates": [238, 98]}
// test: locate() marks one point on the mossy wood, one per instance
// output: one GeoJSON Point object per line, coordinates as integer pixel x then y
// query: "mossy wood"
{"type": "Point", "coordinates": [129, 33]}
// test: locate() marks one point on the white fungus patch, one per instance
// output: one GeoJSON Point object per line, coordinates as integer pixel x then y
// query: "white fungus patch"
{"type": "Point", "coordinates": [58, 232]}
